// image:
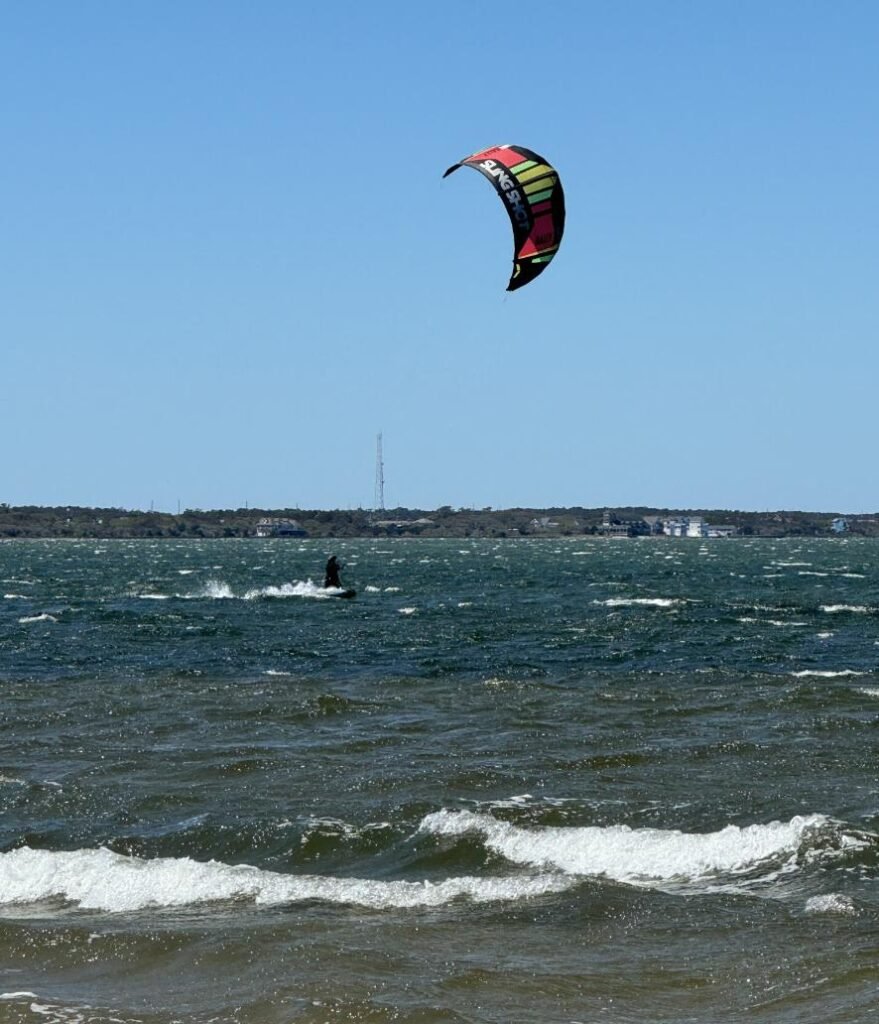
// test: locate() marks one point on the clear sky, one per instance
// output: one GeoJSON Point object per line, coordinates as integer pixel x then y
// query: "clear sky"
{"type": "Point", "coordinates": [228, 258]}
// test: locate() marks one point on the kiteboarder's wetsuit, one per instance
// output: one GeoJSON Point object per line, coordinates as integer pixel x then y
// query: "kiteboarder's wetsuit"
{"type": "Point", "coordinates": [331, 579]}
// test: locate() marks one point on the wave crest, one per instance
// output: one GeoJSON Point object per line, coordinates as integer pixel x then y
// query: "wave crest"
{"type": "Point", "coordinates": [648, 856]}
{"type": "Point", "coordinates": [103, 880]}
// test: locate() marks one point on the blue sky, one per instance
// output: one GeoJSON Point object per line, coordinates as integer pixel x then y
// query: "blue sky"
{"type": "Point", "coordinates": [229, 260]}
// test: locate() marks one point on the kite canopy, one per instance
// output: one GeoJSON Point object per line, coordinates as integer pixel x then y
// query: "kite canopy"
{"type": "Point", "coordinates": [532, 196]}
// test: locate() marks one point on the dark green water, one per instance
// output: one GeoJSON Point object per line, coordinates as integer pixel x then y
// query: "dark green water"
{"type": "Point", "coordinates": [549, 781]}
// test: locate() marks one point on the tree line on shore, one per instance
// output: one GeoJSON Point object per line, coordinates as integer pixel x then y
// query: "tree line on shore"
{"type": "Point", "coordinates": [108, 523]}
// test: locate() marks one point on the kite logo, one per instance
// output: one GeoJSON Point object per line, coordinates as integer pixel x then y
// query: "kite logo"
{"type": "Point", "coordinates": [507, 186]}
{"type": "Point", "coordinates": [504, 181]}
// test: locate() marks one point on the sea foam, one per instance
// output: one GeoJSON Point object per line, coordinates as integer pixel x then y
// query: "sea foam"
{"type": "Point", "coordinates": [106, 881]}
{"type": "Point", "coordinates": [827, 674]}
{"type": "Point", "coordinates": [655, 602]}
{"type": "Point", "coordinates": [831, 903]}
{"type": "Point", "coordinates": [218, 590]}
{"type": "Point", "coordinates": [637, 856]}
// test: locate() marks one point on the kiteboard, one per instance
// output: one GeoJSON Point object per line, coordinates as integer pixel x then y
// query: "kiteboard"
{"type": "Point", "coordinates": [343, 593]}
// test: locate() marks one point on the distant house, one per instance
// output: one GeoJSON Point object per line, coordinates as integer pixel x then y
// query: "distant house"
{"type": "Point", "coordinates": [695, 526]}
{"type": "Point", "coordinates": [723, 531]}
{"type": "Point", "coordinates": [838, 525]}
{"type": "Point", "coordinates": [274, 527]}
{"type": "Point", "coordinates": [676, 527]}
{"type": "Point", "coordinates": [613, 527]}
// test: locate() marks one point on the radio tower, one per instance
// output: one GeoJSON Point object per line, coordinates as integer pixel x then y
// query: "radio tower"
{"type": "Point", "coordinates": [379, 476]}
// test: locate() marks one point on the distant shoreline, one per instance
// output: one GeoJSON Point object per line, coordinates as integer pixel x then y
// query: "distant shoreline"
{"type": "Point", "coordinates": [37, 522]}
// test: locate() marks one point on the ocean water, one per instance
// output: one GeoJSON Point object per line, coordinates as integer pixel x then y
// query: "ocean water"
{"type": "Point", "coordinates": [565, 780]}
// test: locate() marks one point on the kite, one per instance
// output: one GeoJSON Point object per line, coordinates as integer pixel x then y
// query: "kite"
{"type": "Point", "coordinates": [532, 195]}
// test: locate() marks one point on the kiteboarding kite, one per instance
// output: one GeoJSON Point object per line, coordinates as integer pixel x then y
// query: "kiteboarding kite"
{"type": "Point", "coordinates": [532, 195]}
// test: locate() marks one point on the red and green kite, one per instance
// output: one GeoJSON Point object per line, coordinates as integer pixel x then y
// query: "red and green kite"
{"type": "Point", "coordinates": [532, 195]}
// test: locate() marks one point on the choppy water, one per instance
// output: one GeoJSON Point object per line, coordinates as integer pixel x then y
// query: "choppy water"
{"type": "Point", "coordinates": [548, 781]}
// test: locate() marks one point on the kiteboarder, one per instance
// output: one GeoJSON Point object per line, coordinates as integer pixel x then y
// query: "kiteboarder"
{"type": "Point", "coordinates": [331, 577]}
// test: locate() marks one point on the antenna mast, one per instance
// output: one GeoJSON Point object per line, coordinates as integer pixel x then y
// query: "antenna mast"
{"type": "Point", "coordinates": [379, 476]}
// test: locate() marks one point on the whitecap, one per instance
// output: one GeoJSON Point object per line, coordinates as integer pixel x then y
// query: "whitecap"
{"type": "Point", "coordinates": [831, 903]}
{"type": "Point", "coordinates": [407, 611]}
{"type": "Point", "coordinates": [787, 623]}
{"type": "Point", "coordinates": [827, 673]}
{"type": "Point", "coordinates": [44, 617]}
{"type": "Point", "coordinates": [102, 880]}
{"type": "Point", "coordinates": [655, 602]}
{"type": "Point", "coordinates": [522, 800]}
{"type": "Point", "coordinates": [499, 682]}
{"type": "Point", "coordinates": [216, 590]}
{"type": "Point", "coordinates": [857, 609]}
{"type": "Point", "coordinates": [645, 856]}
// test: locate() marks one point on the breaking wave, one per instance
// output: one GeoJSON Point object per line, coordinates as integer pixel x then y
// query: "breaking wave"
{"type": "Point", "coordinates": [647, 602]}
{"type": "Point", "coordinates": [103, 880]}
{"type": "Point", "coordinates": [546, 860]}
{"type": "Point", "coordinates": [652, 857]}
{"type": "Point", "coordinates": [827, 674]}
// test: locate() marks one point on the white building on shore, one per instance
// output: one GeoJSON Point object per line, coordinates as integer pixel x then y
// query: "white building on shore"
{"type": "Point", "coordinates": [695, 526]}
{"type": "Point", "coordinates": [685, 526]}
